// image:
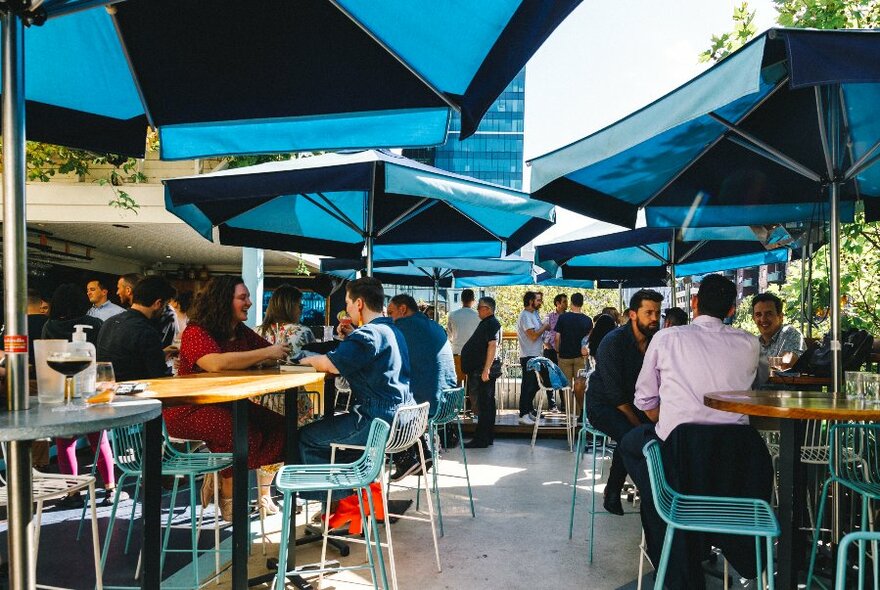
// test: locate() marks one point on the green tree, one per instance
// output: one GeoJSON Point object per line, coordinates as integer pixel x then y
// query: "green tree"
{"type": "Point", "coordinates": [860, 241]}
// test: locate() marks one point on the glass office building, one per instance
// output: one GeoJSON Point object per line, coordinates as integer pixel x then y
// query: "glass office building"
{"type": "Point", "coordinates": [495, 152]}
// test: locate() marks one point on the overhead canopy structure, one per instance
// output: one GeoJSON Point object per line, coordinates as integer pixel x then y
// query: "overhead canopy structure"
{"type": "Point", "coordinates": [457, 273]}
{"type": "Point", "coordinates": [372, 203]}
{"type": "Point", "coordinates": [740, 144]}
{"type": "Point", "coordinates": [651, 253]}
{"type": "Point", "coordinates": [219, 77]}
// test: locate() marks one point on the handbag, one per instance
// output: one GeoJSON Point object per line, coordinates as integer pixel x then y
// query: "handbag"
{"type": "Point", "coordinates": [855, 349]}
{"type": "Point", "coordinates": [495, 369]}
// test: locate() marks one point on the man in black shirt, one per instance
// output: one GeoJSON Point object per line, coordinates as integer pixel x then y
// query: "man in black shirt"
{"type": "Point", "coordinates": [612, 387]}
{"type": "Point", "coordinates": [479, 361]}
{"type": "Point", "coordinates": [571, 328]}
{"type": "Point", "coordinates": [130, 340]}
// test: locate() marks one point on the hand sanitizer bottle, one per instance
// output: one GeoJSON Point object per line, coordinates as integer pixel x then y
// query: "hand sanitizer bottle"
{"type": "Point", "coordinates": [84, 381]}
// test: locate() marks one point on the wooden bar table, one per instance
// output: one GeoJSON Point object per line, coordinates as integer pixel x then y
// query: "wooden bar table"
{"type": "Point", "coordinates": [792, 408]}
{"type": "Point", "coordinates": [236, 388]}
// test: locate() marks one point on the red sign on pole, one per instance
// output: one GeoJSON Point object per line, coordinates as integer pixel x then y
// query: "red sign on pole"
{"type": "Point", "coordinates": [15, 344]}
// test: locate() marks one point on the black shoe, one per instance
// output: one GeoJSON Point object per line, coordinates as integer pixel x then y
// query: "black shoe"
{"type": "Point", "coordinates": [73, 501]}
{"type": "Point", "coordinates": [110, 494]}
{"type": "Point", "coordinates": [612, 504]}
{"type": "Point", "coordinates": [476, 444]}
{"type": "Point", "coordinates": [406, 469]}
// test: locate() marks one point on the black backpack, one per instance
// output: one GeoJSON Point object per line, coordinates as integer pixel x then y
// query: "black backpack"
{"type": "Point", "coordinates": [856, 347]}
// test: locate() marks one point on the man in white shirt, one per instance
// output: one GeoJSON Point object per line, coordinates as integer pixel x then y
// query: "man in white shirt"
{"type": "Point", "coordinates": [460, 325]}
{"type": "Point", "coordinates": [529, 329]}
{"type": "Point", "coordinates": [102, 308]}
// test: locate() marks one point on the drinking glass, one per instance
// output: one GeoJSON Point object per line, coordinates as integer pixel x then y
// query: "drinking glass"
{"type": "Point", "coordinates": [854, 385]}
{"type": "Point", "coordinates": [871, 387]}
{"type": "Point", "coordinates": [105, 385]}
{"type": "Point", "coordinates": [69, 364]}
{"type": "Point", "coordinates": [775, 363]}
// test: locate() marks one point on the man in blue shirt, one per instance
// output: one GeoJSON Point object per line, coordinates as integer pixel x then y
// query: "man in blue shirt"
{"type": "Point", "coordinates": [374, 360]}
{"type": "Point", "coordinates": [432, 367]}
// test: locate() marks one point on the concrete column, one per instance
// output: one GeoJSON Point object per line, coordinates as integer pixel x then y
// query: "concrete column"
{"type": "Point", "coordinates": [252, 273]}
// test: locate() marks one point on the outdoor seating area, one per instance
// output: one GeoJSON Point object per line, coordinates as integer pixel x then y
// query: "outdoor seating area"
{"type": "Point", "coordinates": [331, 294]}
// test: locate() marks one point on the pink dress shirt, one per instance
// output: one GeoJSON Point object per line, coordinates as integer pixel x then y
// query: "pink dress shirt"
{"type": "Point", "coordinates": [685, 362]}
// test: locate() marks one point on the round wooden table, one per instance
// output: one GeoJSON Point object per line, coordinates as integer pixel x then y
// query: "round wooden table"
{"type": "Point", "coordinates": [792, 407]}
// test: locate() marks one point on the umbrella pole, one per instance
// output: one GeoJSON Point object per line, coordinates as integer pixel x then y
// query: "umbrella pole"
{"type": "Point", "coordinates": [436, 299]}
{"type": "Point", "coordinates": [833, 141]}
{"type": "Point", "coordinates": [672, 270]}
{"type": "Point", "coordinates": [809, 291]}
{"type": "Point", "coordinates": [803, 307]}
{"type": "Point", "coordinates": [21, 555]}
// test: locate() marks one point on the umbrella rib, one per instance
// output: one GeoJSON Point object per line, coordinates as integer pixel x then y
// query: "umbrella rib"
{"type": "Point", "coordinates": [849, 142]}
{"type": "Point", "coordinates": [647, 250]}
{"type": "Point", "coordinates": [823, 132]}
{"type": "Point", "coordinates": [757, 105]}
{"type": "Point", "coordinates": [778, 156]}
{"type": "Point", "coordinates": [333, 212]}
{"type": "Point", "coordinates": [111, 10]}
{"type": "Point", "coordinates": [440, 94]}
{"type": "Point", "coordinates": [693, 250]}
{"type": "Point", "coordinates": [416, 209]}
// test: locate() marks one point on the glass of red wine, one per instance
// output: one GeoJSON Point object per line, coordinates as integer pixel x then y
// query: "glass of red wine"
{"type": "Point", "coordinates": [69, 364]}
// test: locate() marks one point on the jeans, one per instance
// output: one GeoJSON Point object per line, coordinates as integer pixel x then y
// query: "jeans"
{"type": "Point", "coordinates": [484, 392]}
{"type": "Point", "coordinates": [614, 423]}
{"type": "Point", "coordinates": [528, 388]}
{"type": "Point", "coordinates": [315, 439]}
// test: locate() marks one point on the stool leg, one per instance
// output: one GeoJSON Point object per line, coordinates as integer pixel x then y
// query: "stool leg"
{"type": "Point", "coordinates": [434, 471]}
{"type": "Point", "coordinates": [168, 525]}
{"type": "Point", "coordinates": [577, 468]}
{"type": "Point", "coordinates": [96, 543]}
{"type": "Point", "coordinates": [819, 515]}
{"type": "Point", "coordinates": [109, 534]}
{"type": "Point", "coordinates": [467, 474]}
{"type": "Point", "coordinates": [134, 501]}
{"type": "Point", "coordinates": [593, 503]}
{"type": "Point", "coordinates": [664, 558]}
{"type": "Point", "coordinates": [641, 556]}
{"type": "Point", "coordinates": [368, 536]}
{"type": "Point", "coordinates": [194, 531]}
{"type": "Point", "coordinates": [862, 543]}
{"type": "Point", "coordinates": [281, 576]}
{"type": "Point", "coordinates": [771, 575]}
{"type": "Point", "coordinates": [430, 509]}
{"type": "Point", "coordinates": [758, 566]}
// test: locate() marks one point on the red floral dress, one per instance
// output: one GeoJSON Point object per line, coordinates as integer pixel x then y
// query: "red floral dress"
{"type": "Point", "coordinates": [212, 423]}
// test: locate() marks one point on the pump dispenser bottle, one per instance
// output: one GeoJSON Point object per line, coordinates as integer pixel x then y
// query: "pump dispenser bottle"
{"type": "Point", "coordinates": [84, 382]}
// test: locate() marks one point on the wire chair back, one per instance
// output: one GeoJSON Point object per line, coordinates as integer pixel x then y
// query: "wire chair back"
{"type": "Point", "coordinates": [664, 495]}
{"type": "Point", "coordinates": [451, 403]}
{"type": "Point", "coordinates": [368, 465]}
{"type": "Point", "coordinates": [409, 423]}
{"type": "Point", "coordinates": [854, 453]}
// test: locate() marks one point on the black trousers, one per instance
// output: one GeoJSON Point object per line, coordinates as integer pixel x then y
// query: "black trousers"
{"type": "Point", "coordinates": [615, 424]}
{"type": "Point", "coordinates": [484, 391]}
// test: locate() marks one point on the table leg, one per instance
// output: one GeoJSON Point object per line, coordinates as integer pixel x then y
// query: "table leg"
{"type": "Point", "coordinates": [790, 550]}
{"type": "Point", "coordinates": [152, 502]}
{"type": "Point", "coordinates": [21, 517]}
{"type": "Point", "coordinates": [240, 521]}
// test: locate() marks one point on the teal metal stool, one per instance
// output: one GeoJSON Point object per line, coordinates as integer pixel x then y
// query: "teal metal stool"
{"type": "Point", "coordinates": [861, 538]}
{"type": "Point", "coordinates": [127, 443]}
{"type": "Point", "coordinates": [448, 410]}
{"type": "Point", "coordinates": [853, 463]}
{"type": "Point", "coordinates": [709, 514]}
{"type": "Point", "coordinates": [580, 447]}
{"type": "Point", "coordinates": [355, 476]}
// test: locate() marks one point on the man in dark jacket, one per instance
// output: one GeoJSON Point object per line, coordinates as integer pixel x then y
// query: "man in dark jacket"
{"type": "Point", "coordinates": [479, 361]}
{"type": "Point", "coordinates": [130, 340]}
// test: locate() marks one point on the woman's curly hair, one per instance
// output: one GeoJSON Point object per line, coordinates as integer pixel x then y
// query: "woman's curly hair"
{"type": "Point", "coordinates": [212, 308]}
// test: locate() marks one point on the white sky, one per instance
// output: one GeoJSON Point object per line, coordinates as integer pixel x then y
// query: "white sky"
{"type": "Point", "coordinates": [608, 59]}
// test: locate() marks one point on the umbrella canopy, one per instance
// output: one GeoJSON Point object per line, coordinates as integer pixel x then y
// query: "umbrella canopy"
{"type": "Point", "coordinates": [219, 77]}
{"type": "Point", "coordinates": [446, 272]}
{"type": "Point", "coordinates": [647, 254]}
{"type": "Point", "coordinates": [546, 279]}
{"type": "Point", "coordinates": [341, 204]}
{"type": "Point", "coordinates": [740, 144]}
{"type": "Point", "coordinates": [785, 128]}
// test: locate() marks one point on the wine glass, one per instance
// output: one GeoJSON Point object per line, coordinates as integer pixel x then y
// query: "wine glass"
{"type": "Point", "coordinates": [69, 364]}
{"type": "Point", "coordinates": [105, 385]}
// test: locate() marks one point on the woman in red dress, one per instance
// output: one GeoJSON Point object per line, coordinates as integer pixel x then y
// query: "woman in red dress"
{"type": "Point", "coordinates": [216, 339]}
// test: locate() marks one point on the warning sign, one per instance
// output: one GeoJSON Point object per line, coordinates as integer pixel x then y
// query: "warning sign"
{"type": "Point", "coordinates": [13, 344]}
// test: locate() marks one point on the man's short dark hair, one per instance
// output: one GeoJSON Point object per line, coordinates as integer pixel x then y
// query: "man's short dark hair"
{"type": "Point", "coordinates": [131, 279]}
{"type": "Point", "coordinates": [635, 302]}
{"type": "Point", "coordinates": [467, 296]}
{"type": "Point", "coordinates": [577, 299]}
{"type": "Point", "coordinates": [716, 296]}
{"type": "Point", "coordinates": [370, 290]}
{"type": "Point", "coordinates": [762, 297]}
{"type": "Point", "coordinates": [528, 297]}
{"type": "Point", "coordinates": [559, 298]}
{"type": "Point", "coordinates": [489, 302]}
{"type": "Point", "coordinates": [102, 284]}
{"type": "Point", "coordinates": [148, 290]}
{"type": "Point", "coordinates": [676, 316]}
{"type": "Point", "coordinates": [408, 300]}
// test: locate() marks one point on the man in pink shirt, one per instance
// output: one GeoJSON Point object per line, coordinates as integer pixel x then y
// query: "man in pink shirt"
{"type": "Point", "coordinates": [682, 364]}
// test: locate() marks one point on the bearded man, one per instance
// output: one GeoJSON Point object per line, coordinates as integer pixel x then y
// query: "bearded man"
{"type": "Point", "coordinates": [612, 387]}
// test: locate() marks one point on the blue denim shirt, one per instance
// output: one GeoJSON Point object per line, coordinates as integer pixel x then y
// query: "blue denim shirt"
{"type": "Point", "coordinates": [375, 361]}
{"type": "Point", "coordinates": [432, 367]}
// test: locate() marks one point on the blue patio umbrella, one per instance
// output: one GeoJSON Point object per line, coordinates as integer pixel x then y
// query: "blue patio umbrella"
{"type": "Point", "coordinates": [371, 203]}
{"type": "Point", "coordinates": [785, 128]}
{"type": "Point", "coordinates": [440, 272]}
{"type": "Point", "coordinates": [226, 77]}
{"type": "Point", "coordinates": [650, 254]}
{"type": "Point", "coordinates": [217, 77]}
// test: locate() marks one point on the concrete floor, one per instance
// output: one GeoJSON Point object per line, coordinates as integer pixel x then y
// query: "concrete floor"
{"type": "Point", "coordinates": [519, 538]}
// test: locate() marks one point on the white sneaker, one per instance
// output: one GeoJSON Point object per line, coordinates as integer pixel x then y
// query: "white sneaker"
{"type": "Point", "coordinates": [529, 420]}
